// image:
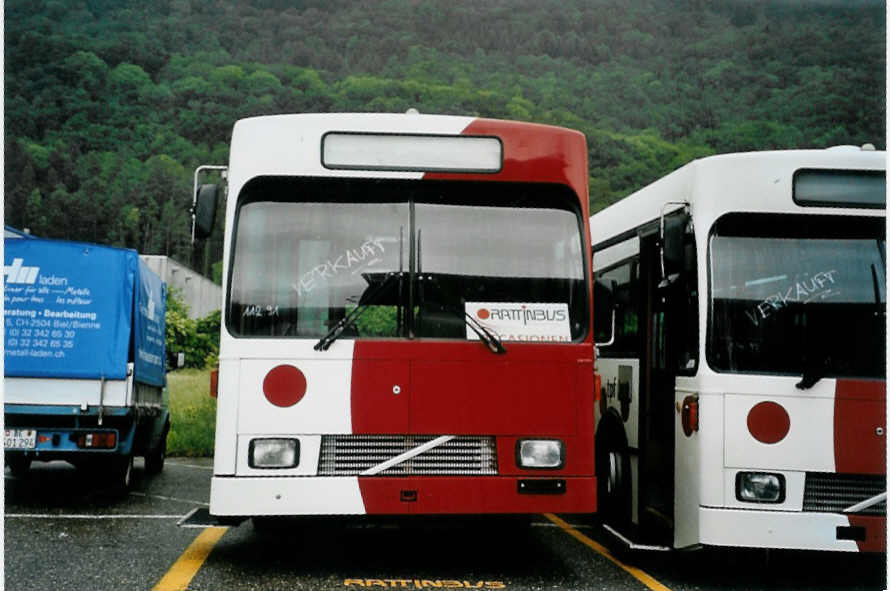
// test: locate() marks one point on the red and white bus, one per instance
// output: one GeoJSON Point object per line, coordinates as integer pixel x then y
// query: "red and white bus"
{"type": "Point", "coordinates": [741, 326]}
{"type": "Point", "coordinates": [407, 324]}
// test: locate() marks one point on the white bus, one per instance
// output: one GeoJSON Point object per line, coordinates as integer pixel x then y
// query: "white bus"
{"type": "Point", "coordinates": [407, 325]}
{"type": "Point", "coordinates": [740, 320]}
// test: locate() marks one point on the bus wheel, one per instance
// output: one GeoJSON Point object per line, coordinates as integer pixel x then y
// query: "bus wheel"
{"type": "Point", "coordinates": [613, 481]}
{"type": "Point", "coordinates": [266, 526]}
{"type": "Point", "coordinates": [18, 465]}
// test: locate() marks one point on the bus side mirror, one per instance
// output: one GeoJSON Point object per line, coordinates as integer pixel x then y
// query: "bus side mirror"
{"type": "Point", "coordinates": [673, 247]}
{"type": "Point", "coordinates": [204, 211]}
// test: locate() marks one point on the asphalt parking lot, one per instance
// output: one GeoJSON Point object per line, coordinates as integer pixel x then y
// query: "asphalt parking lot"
{"type": "Point", "coordinates": [62, 532]}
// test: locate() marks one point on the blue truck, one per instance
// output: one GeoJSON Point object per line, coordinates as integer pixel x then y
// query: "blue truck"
{"type": "Point", "coordinates": [84, 358]}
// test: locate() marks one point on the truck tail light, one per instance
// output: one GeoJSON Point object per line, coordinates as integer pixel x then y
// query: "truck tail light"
{"type": "Point", "coordinates": [97, 440]}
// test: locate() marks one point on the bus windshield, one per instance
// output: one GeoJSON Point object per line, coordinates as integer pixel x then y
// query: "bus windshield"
{"type": "Point", "coordinates": [417, 254]}
{"type": "Point", "coordinates": [798, 295]}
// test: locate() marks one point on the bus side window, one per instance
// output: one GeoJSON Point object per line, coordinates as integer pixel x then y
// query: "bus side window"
{"type": "Point", "coordinates": [623, 287]}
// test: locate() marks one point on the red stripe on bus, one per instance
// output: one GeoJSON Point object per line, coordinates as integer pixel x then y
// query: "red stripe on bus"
{"type": "Point", "coordinates": [431, 495]}
{"type": "Point", "coordinates": [859, 427]}
{"type": "Point", "coordinates": [459, 388]}
{"type": "Point", "coordinates": [380, 392]}
{"type": "Point", "coordinates": [875, 532]}
{"type": "Point", "coordinates": [462, 388]}
{"type": "Point", "coordinates": [534, 153]}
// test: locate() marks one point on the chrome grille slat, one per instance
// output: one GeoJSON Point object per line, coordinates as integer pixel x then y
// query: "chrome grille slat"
{"type": "Point", "coordinates": [832, 493]}
{"type": "Point", "coordinates": [349, 455]}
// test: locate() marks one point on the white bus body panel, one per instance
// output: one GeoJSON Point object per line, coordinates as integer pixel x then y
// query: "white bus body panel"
{"type": "Point", "coordinates": [603, 259]}
{"type": "Point", "coordinates": [769, 529]}
{"type": "Point", "coordinates": [808, 446]}
{"type": "Point", "coordinates": [286, 496]}
{"type": "Point", "coordinates": [700, 453]}
{"type": "Point", "coordinates": [325, 408]}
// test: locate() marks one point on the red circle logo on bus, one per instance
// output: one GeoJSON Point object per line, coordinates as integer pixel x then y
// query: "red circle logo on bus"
{"type": "Point", "coordinates": [284, 385]}
{"type": "Point", "coordinates": [768, 422]}
{"type": "Point", "coordinates": [483, 313]}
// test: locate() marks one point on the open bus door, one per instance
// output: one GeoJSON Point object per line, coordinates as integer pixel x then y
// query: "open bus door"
{"type": "Point", "coordinates": [656, 437]}
{"type": "Point", "coordinates": [670, 342]}
{"type": "Point", "coordinates": [639, 465]}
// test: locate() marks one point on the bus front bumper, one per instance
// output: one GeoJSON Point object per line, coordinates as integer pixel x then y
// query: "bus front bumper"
{"type": "Point", "coordinates": [264, 496]}
{"type": "Point", "coordinates": [792, 530]}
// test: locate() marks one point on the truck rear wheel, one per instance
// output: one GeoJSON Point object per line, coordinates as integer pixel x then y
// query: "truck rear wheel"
{"type": "Point", "coordinates": [18, 465]}
{"type": "Point", "coordinates": [154, 459]}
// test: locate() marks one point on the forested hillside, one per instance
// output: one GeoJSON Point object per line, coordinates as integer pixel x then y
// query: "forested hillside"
{"type": "Point", "coordinates": [110, 104]}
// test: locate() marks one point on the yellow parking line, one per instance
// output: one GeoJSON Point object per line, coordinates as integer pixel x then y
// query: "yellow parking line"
{"type": "Point", "coordinates": [183, 570]}
{"type": "Point", "coordinates": [636, 573]}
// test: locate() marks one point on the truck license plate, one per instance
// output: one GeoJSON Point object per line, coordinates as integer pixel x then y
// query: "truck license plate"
{"type": "Point", "coordinates": [19, 438]}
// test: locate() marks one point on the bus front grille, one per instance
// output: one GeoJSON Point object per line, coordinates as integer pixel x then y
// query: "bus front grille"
{"type": "Point", "coordinates": [350, 455]}
{"type": "Point", "coordinates": [832, 493]}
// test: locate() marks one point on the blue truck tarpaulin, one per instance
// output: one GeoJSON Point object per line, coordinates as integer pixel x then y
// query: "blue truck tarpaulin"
{"type": "Point", "coordinates": [149, 329]}
{"type": "Point", "coordinates": [77, 310]}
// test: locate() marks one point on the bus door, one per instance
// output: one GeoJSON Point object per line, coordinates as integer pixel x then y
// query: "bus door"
{"type": "Point", "coordinates": [656, 436]}
{"type": "Point", "coordinates": [669, 305]}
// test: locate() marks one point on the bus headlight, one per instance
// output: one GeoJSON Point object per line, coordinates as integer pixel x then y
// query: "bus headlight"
{"type": "Point", "coordinates": [540, 453]}
{"type": "Point", "coordinates": [758, 487]}
{"type": "Point", "coordinates": [274, 453]}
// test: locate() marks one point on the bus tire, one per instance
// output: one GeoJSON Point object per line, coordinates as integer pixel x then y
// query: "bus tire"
{"type": "Point", "coordinates": [266, 526]}
{"type": "Point", "coordinates": [613, 478]}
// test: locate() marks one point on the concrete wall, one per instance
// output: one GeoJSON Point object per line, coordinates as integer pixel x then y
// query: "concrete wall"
{"type": "Point", "coordinates": [200, 294]}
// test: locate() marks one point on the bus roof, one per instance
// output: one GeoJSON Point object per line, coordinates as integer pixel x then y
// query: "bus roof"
{"type": "Point", "coordinates": [282, 145]}
{"type": "Point", "coordinates": [748, 181]}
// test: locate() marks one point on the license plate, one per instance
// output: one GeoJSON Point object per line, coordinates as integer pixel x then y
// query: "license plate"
{"type": "Point", "coordinates": [19, 438]}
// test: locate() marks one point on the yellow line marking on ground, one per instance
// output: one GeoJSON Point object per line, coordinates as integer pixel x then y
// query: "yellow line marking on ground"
{"type": "Point", "coordinates": [636, 573]}
{"type": "Point", "coordinates": [183, 570]}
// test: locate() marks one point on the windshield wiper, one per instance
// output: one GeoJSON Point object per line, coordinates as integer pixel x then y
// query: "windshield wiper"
{"type": "Point", "coordinates": [811, 376]}
{"type": "Point", "coordinates": [364, 303]}
{"type": "Point", "coordinates": [486, 335]}
{"type": "Point", "coordinates": [491, 340]}
{"type": "Point", "coordinates": [876, 287]}
{"type": "Point", "coordinates": [816, 365]}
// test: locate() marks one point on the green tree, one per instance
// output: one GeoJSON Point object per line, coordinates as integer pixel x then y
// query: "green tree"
{"type": "Point", "coordinates": [127, 81]}
{"type": "Point", "coordinates": [198, 340]}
